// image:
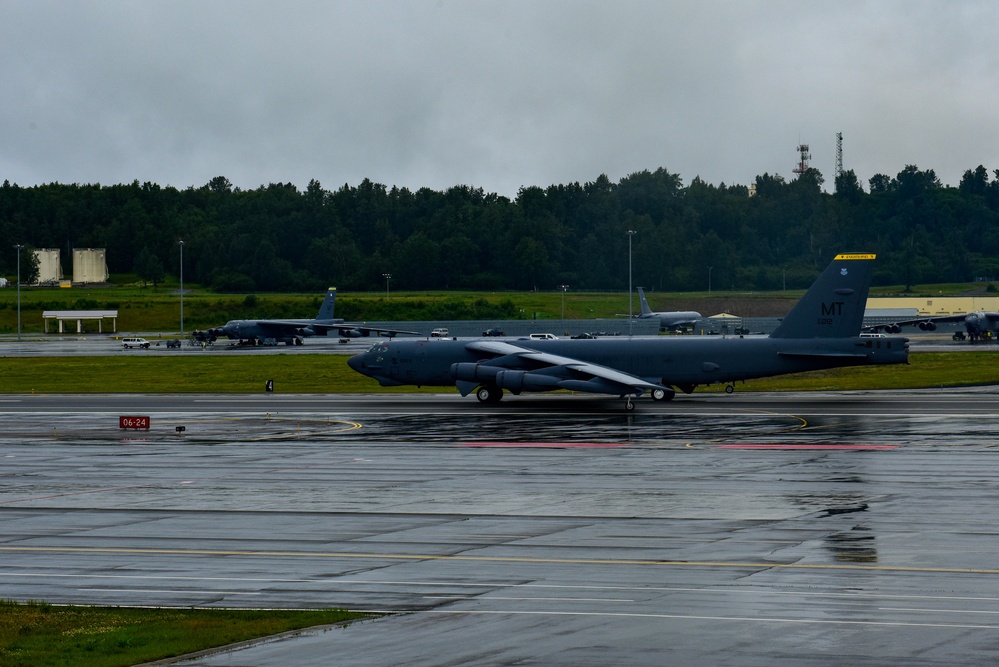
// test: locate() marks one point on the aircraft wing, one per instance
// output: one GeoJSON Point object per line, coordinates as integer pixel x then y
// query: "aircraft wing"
{"type": "Point", "coordinates": [569, 373]}
{"type": "Point", "coordinates": [351, 330]}
{"type": "Point", "coordinates": [939, 319]}
{"type": "Point", "coordinates": [973, 320]}
{"type": "Point", "coordinates": [273, 328]}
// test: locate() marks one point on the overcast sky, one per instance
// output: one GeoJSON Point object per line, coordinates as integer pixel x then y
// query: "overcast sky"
{"type": "Point", "coordinates": [496, 95]}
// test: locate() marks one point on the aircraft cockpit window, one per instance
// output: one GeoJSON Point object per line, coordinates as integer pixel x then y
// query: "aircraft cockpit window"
{"type": "Point", "coordinates": [378, 347]}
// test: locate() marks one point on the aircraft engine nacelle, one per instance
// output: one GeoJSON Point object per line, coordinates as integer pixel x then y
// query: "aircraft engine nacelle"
{"type": "Point", "coordinates": [515, 381]}
{"type": "Point", "coordinates": [518, 381]}
{"type": "Point", "coordinates": [471, 372]}
{"type": "Point", "coordinates": [892, 328]}
{"type": "Point", "coordinates": [350, 333]}
{"type": "Point", "coordinates": [927, 326]}
{"type": "Point", "coordinates": [305, 331]}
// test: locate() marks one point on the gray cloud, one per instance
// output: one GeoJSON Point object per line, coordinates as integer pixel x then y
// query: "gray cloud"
{"type": "Point", "coordinates": [491, 94]}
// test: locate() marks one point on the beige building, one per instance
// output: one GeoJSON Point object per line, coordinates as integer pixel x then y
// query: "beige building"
{"type": "Point", "coordinates": [937, 306]}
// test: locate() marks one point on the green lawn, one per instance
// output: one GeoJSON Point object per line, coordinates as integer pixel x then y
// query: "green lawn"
{"type": "Point", "coordinates": [43, 635]}
{"type": "Point", "coordinates": [157, 309]}
{"type": "Point", "coordinates": [329, 373]}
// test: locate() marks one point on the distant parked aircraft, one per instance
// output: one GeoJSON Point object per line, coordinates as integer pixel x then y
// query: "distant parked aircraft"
{"type": "Point", "coordinates": [293, 332]}
{"type": "Point", "coordinates": [821, 331]}
{"type": "Point", "coordinates": [979, 325]}
{"type": "Point", "coordinates": [668, 319]}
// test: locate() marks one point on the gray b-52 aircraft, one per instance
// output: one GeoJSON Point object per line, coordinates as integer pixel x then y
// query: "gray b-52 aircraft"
{"type": "Point", "coordinates": [979, 325]}
{"type": "Point", "coordinates": [668, 319]}
{"type": "Point", "coordinates": [821, 331]}
{"type": "Point", "coordinates": [293, 332]}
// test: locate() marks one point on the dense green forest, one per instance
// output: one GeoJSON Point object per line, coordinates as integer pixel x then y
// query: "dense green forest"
{"type": "Point", "coordinates": [277, 238]}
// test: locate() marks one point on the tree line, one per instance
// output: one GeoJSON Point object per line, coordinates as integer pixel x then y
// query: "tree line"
{"type": "Point", "coordinates": [770, 235]}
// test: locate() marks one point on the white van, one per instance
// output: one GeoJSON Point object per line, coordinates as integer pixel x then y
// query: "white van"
{"type": "Point", "coordinates": [543, 336]}
{"type": "Point", "coordinates": [129, 343]}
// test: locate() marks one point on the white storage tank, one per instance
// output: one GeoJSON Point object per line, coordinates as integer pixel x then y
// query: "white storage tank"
{"type": "Point", "coordinates": [89, 265]}
{"type": "Point", "coordinates": [49, 268]}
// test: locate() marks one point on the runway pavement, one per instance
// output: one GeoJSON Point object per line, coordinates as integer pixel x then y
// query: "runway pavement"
{"type": "Point", "coordinates": [754, 529]}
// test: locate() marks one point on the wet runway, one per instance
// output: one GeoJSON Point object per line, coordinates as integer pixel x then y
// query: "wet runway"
{"type": "Point", "coordinates": [752, 529]}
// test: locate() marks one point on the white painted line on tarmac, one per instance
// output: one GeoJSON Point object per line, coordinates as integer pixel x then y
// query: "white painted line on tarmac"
{"type": "Point", "coordinates": [687, 617]}
{"type": "Point", "coordinates": [166, 592]}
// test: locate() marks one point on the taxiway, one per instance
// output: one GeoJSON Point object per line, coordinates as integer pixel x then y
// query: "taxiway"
{"type": "Point", "coordinates": [752, 529]}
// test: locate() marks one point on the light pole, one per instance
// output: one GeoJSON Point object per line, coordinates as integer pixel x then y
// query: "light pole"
{"type": "Point", "coordinates": [18, 248]}
{"type": "Point", "coordinates": [783, 278]}
{"type": "Point", "coordinates": [709, 278]}
{"type": "Point", "coordinates": [388, 277]}
{"type": "Point", "coordinates": [631, 232]}
{"type": "Point", "coordinates": [181, 244]}
{"type": "Point", "coordinates": [563, 288]}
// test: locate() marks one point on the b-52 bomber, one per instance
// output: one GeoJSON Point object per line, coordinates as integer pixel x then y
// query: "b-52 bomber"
{"type": "Point", "coordinates": [979, 325]}
{"type": "Point", "coordinates": [293, 332]}
{"type": "Point", "coordinates": [821, 331]}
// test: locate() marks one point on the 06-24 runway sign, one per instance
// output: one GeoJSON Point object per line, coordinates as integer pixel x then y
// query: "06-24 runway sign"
{"type": "Point", "coordinates": [135, 422]}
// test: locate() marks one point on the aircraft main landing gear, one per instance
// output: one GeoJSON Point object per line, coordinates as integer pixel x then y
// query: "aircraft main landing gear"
{"type": "Point", "coordinates": [659, 395]}
{"type": "Point", "coordinates": [488, 394]}
{"type": "Point", "coordinates": [628, 405]}
{"type": "Point", "coordinates": [729, 388]}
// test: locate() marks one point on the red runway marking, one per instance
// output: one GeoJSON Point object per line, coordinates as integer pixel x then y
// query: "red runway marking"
{"type": "Point", "coordinates": [543, 444]}
{"type": "Point", "coordinates": [803, 445]}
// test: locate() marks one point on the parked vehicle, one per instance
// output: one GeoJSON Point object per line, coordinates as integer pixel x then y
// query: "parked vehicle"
{"type": "Point", "coordinates": [543, 336]}
{"type": "Point", "coordinates": [129, 343]}
{"type": "Point", "coordinates": [492, 333]}
{"type": "Point", "coordinates": [173, 343]}
{"type": "Point", "coordinates": [439, 333]}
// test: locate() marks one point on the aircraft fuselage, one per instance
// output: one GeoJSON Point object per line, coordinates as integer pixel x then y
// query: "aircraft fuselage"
{"type": "Point", "coordinates": [670, 361]}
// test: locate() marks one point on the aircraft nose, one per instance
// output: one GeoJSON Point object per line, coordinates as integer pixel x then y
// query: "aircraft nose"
{"type": "Point", "coordinates": [356, 362]}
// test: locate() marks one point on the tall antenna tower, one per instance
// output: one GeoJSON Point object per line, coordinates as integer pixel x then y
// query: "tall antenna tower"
{"type": "Point", "coordinates": [803, 157]}
{"type": "Point", "coordinates": [839, 155]}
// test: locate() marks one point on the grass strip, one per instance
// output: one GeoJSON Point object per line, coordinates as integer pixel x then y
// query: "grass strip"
{"type": "Point", "coordinates": [36, 634]}
{"type": "Point", "coordinates": [329, 373]}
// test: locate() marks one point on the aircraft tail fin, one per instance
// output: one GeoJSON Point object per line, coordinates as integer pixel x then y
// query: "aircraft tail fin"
{"type": "Point", "coordinates": [646, 311]}
{"type": "Point", "coordinates": [326, 310]}
{"type": "Point", "coordinates": [833, 307]}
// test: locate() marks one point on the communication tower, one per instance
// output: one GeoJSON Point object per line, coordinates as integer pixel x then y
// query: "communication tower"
{"type": "Point", "coordinates": [839, 154]}
{"type": "Point", "coordinates": [803, 157]}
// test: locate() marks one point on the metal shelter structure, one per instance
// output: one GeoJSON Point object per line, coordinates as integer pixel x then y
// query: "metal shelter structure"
{"type": "Point", "coordinates": [61, 316]}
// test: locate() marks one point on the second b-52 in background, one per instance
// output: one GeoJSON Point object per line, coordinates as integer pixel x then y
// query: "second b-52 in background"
{"type": "Point", "coordinates": [980, 326]}
{"type": "Point", "coordinates": [821, 331]}
{"type": "Point", "coordinates": [294, 332]}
